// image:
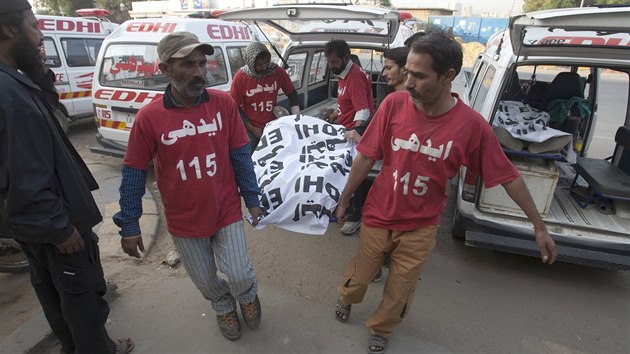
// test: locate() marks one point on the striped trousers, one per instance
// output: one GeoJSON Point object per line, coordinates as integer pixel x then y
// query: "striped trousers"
{"type": "Point", "coordinates": [225, 251]}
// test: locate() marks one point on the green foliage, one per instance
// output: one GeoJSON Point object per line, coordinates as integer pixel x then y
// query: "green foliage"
{"type": "Point", "coordinates": [535, 5]}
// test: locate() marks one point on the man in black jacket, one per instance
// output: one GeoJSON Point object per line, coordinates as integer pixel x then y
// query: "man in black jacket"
{"type": "Point", "coordinates": [45, 198]}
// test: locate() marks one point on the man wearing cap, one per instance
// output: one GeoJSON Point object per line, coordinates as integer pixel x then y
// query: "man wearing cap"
{"type": "Point", "coordinates": [255, 89]}
{"type": "Point", "coordinates": [45, 198]}
{"type": "Point", "coordinates": [201, 156]}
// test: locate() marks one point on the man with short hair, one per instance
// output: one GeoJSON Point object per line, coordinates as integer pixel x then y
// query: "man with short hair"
{"type": "Point", "coordinates": [403, 208]}
{"type": "Point", "coordinates": [393, 73]}
{"type": "Point", "coordinates": [355, 105]}
{"type": "Point", "coordinates": [394, 67]}
{"type": "Point", "coordinates": [255, 90]}
{"type": "Point", "coordinates": [45, 199]}
{"type": "Point", "coordinates": [202, 160]}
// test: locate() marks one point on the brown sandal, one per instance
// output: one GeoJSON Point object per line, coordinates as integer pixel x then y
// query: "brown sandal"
{"type": "Point", "coordinates": [124, 346]}
{"type": "Point", "coordinates": [342, 312]}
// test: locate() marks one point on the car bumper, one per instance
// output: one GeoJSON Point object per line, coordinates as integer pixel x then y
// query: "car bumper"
{"type": "Point", "coordinates": [108, 147]}
{"type": "Point", "coordinates": [601, 254]}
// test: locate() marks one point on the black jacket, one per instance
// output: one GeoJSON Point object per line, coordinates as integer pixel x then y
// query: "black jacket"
{"type": "Point", "coordinates": [44, 184]}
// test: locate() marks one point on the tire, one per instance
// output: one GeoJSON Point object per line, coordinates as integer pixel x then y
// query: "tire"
{"type": "Point", "coordinates": [62, 119]}
{"type": "Point", "coordinates": [458, 229]}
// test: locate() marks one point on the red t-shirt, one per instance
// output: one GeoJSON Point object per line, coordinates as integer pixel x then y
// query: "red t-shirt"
{"type": "Point", "coordinates": [420, 153]}
{"type": "Point", "coordinates": [354, 93]}
{"type": "Point", "coordinates": [192, 164]}
{"type": "Point", "coordinates": [258, 97]}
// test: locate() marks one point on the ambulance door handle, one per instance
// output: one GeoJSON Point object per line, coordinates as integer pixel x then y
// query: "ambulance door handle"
{"type": "Point", "coordinates": [62, 83]}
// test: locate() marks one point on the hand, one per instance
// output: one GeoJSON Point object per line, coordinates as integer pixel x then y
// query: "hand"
{"type": "Point", "coordinates": [257, 132]}
{"type": "Point", "coordinates": [131, 244]}
{"type": "Point", "coordinates": [256, 213]}
{"type": "Point", "coordinates": [340, 212]}
{"type": "Point", "coordinates": [352, 135]}
{"type": "Point", "coordinates": [73, 244]}
{"type": "Point", "coordinates": [547, 246]}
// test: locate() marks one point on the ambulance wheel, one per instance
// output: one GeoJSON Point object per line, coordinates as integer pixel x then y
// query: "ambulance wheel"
{"type": "Point", "coordinates": [62, 119]}
{"type": "Point", "coordinates": [458, 229]}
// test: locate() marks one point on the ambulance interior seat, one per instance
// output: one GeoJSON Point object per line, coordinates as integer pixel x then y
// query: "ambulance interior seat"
{"type": "Point", "coordinates": [355, 59]}
{"type": "Point", "coordinates": [605, 177]}
{"type": "Point", "coordinates": [564, 86]}
{"type": "Point", "coordinates": [513, 90]}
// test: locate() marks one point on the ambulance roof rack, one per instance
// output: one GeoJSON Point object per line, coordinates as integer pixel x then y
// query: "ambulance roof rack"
{"type": "Point", "coordinates": [95, 13]}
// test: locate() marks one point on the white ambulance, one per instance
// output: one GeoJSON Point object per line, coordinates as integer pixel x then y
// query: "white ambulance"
{"type": "Point", "coordinates": [72, 45]}
{"type": "Point", "coordinates": [127, 76]}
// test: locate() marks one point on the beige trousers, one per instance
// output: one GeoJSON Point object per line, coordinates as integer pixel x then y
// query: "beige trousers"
{"type": "Point", "coordinates": [409, 251]}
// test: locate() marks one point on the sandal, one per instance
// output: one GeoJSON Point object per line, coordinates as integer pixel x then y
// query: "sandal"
{"type": "Point", "coordinates": [124, 346]}
{"type": "Point", "coordinates": [377, 344]}
{"type": "Point", "coordinates": [342, 312]}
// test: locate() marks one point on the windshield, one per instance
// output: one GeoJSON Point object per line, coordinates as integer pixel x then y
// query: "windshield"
{"type": "Point", "coordinates": [136, 66]}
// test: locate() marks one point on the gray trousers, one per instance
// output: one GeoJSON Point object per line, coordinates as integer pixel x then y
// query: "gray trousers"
{"type": "Point", "coordinates": [225, 251]}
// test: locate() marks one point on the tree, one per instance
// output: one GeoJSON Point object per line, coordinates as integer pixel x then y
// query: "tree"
{"type": "Point", "coordinates": [535, 5]}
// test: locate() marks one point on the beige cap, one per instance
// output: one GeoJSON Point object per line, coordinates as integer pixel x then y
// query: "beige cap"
{"type": "Point", "coordinates": [180, 45]}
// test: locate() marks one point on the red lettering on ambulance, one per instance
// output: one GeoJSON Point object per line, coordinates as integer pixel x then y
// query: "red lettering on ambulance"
{"type": "Point", "coordinates": [584, 41]}
{"type": "Point", "coordinates": [46, 24]}
{"type": "Point", "coordinates": [103, 94]}
{"type": "Point", "coordinates": [162, 27]}
{"type": "Point", "coordinates": [241, 33]}
{"type": "Point", "coordinates": [90, 27]}
{"type": "Point", "coordinates": [148, 96]}
{"type": "Point", "coordinates": [227, 32]}
{"type": "Point", "coordinates": [64, 25]}
{"type": "Point", "coordinates": [126, 96]}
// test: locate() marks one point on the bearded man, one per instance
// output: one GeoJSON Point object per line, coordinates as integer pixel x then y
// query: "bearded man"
{"type": "Point", "coordinates": [45, 198]}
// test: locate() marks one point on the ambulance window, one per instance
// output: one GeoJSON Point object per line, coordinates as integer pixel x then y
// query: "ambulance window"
{"type": "Point", "coordinates": [81, 51]}
{"type": "Point", "coordinates": [236, 57]}
{"type": "Point", "coordinates": [295, 69]}
{"type": "Point", "coordinates": [52, 55]}
{"type": "Point", "coordinates": [318, 68]}
{"type": "Point", "coordinates": [136, 66]}
{"type": "Point", "coordinates": [217, 71]}
{"type": "Point", "coordinates": [481, 68]}
{"type": "Point", "coordinates": [483, 88]}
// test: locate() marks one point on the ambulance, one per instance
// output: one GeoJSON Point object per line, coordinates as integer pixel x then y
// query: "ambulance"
{"type": "Point", "coordinates": [72, 45]}
{"type": "Point", "coordinates": [576, 59]}
{"type": "Point", "coordinates": [127, 76]}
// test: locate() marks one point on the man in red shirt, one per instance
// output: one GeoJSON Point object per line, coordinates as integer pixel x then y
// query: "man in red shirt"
{"type": "Point", "coordinates": [202, 161]}
{"type": "Point", "coordinates": [403, 208]}
{"type": "Point", "coordinates": [355, 106]}
{"type": "Point", "coordinates": [255, 90]}
{"type": "Point", "coordinates": [394, 74]}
